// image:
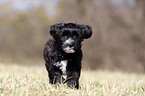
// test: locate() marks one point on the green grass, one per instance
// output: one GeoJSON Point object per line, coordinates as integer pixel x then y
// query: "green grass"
{"type": "Point", "coordinates": [33, 81]}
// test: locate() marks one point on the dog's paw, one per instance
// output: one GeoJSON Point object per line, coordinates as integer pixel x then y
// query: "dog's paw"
{"type": "Point", "coordinates": [73, 84]}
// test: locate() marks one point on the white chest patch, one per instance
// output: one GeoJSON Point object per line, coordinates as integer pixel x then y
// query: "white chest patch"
{"type": "Point", "coordinates": [62, 66]}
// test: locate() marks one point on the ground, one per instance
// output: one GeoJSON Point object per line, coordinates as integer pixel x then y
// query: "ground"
{"type": "Point", "coordinates": [16, 80]}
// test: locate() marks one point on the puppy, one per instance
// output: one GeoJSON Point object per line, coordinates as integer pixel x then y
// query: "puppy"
{"type": "Point", "coordinates": [63, 54]}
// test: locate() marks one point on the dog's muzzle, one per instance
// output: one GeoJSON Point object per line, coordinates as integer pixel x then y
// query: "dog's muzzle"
{"type": "Point", "coordinates": [68, 46]}
{"type": "Point", "coordinates": [68, 50]}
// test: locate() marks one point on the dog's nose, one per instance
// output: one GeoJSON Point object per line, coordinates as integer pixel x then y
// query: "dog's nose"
{"type": "Point", "coordinates": [71, 45]}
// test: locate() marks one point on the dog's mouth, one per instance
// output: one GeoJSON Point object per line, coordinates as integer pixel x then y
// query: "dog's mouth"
{"type": "Point", "coordinates": [68, 50]}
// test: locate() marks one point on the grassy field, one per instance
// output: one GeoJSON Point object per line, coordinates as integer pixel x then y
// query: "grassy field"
{"type": "Point", "coordinates": [33, 81]}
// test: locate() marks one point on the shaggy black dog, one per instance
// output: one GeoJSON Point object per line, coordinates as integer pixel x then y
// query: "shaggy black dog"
{"type": "Point", "coordinates": [63, 54]}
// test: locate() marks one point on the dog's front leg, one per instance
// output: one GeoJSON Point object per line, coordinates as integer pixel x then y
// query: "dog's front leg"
{"type": "Point", "coordinates": [54, 74]}
{"type": "Point", "coordinates": [73, 79]}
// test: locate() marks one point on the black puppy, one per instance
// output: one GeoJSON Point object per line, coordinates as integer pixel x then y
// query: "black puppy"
{"type": "Point", "coordinates": [63, 54]}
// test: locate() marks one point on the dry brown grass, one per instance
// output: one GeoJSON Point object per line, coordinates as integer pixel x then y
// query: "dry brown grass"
{"type": "Point", "coordinates": [29, 81]}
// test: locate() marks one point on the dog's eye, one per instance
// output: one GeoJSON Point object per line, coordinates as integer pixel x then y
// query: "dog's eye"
{"type": "Point", "coordinates": [65, 34]}
{"type": "Point", "coordinates": [75, 34]}
{"type": "Point", "coordinates": [65, 37]}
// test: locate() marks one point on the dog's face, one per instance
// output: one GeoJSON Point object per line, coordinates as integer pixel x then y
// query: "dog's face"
{"type": "Point", "coordinates": [70, 35]}
{"type": "Point", "coordinates": [70, 40]}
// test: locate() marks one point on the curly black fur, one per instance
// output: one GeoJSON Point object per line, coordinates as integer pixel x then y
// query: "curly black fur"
{"type": "Point", "coordinates": [64, 51]}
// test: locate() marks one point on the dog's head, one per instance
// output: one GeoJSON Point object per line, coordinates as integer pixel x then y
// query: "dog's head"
{"type": "Point", "coordinates": [70, 35]}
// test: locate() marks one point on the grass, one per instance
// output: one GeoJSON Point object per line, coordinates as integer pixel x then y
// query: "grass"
{"type": "Point", "coordinates": [33, 81]}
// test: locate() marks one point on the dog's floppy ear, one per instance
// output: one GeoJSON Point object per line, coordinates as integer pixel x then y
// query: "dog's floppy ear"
{"type": "Point", "coordinates": [86, 31]}
{"type": "Point", "coordinates": [54, 30]}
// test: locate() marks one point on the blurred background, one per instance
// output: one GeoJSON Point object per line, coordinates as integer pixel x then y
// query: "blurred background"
{"type": "Point", "coordinates": [118, 41]}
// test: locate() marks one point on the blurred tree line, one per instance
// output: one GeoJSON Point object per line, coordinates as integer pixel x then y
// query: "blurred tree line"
{"type": "Point", "coordinates": [118, 41]}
